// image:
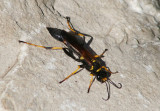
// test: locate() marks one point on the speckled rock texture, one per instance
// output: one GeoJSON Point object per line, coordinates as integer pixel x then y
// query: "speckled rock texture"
{"type": "Point", "coordinates": [29, 76]}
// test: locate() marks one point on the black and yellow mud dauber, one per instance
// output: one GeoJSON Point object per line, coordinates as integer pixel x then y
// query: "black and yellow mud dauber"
{"type": "Point", "coordinates": [80, 51]}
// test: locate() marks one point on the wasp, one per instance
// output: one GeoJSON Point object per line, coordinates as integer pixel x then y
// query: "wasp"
{"type": "Point", "coordinates": [76, 45]}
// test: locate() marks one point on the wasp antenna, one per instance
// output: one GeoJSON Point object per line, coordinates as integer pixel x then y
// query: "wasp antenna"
{"type": "Point", "coordinates": [119, 87]}
{"type": "Point", "coordinates": [108, 90]}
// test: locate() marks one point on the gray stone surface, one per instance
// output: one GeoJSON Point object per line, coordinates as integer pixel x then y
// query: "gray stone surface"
{"type": "Point", "coordinates": [29, 76]}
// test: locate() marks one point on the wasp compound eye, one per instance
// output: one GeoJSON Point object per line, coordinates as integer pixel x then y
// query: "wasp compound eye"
{"type": "Point", "coordinates": [56, 33]}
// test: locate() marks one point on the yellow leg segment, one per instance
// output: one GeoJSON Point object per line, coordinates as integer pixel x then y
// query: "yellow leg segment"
{"type": "Point", "coordinates": [106, 69]}
{"type": "Point", "coordinates": [68, 22]}
{"type": "Point", "coordinates": [101, 54]}
{"type": "Point", "coordinates": [114, 72]}
{"type": "Point", "coordinates": [53, 48]}
{"type": "Point", "coordinates": [70, 74]}
{"type": "Point", "coordinates": [92, 67]}
{"type": "Point", "coordinates": [103, 68]}
{"type": "Point", "coordinates": [91, 82]}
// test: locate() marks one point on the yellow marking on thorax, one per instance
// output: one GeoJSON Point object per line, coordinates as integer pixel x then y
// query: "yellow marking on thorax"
{"type": "Point", "coordinates": [98, 69]}
{"type": "Point", "coordinates": [81, 58]}
{"type": "Point", "coordinates": [93, 60]}
{"type": "Point", "coordinates": [91, 74]}
{"type": "Point", "coordinates": [91, 67]}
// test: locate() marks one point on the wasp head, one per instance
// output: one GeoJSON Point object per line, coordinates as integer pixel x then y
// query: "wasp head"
{"type": "Point", "coordinates": [103, 75]}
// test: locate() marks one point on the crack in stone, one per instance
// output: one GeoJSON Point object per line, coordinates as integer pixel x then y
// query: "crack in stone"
{"type": "Point", "coordinates": [39, 7]}
{"type": "Point", "coordinates": [10, 68]}
{"type": "Point", "coordinates": [18, 25]}
{"type": "Point", "coordinates": [56, 13]}
{"type": "Point", "coordinates": [77, 3]}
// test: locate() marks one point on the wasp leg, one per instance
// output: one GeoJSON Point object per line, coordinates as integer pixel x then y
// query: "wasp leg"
{"type": "Point", "coordinates": [77, 32]}
{"type": "Point", "coordinates": [89, 42]}
{"type": "Point", "coordinates": [70, 54]}
{"type": "Point", "coordinates": [91, 82]}
{"type": "Point", "coordinates": [72, 28]}
{"type": "Point", "coordinates": [53, 48]}
{"type": "Point", "coordinates": [114, 72]}
{"type": "Point", "coordinates": [71, 74]}
{"type": "Point", "coordinates": [107, 69]}
{"type": "Point", "coordinates": [101, 55]}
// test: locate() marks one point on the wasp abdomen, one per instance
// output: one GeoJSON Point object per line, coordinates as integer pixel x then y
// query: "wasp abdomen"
{"type": "Point", "coordinates": [56, 33]}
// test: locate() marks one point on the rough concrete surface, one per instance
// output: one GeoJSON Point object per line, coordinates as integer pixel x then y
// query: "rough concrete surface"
{"type": "Point", "coordinates": [29, 76]}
